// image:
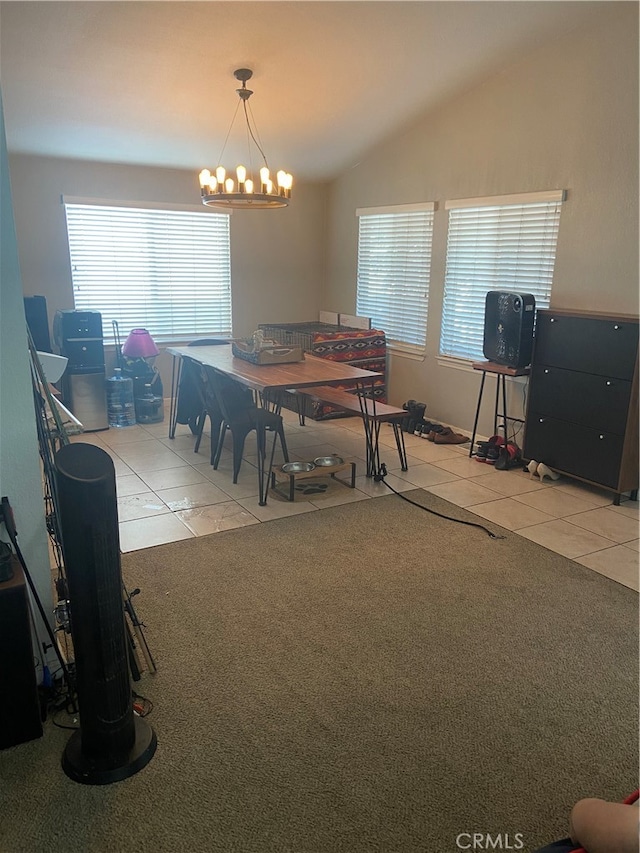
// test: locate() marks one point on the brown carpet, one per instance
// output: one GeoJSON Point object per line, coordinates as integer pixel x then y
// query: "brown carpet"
{"type": "Point", "coordinates": [369, 677]}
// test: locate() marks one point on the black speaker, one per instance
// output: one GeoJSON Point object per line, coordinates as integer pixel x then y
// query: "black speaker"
{"type": "Point", "coordinates": [508, 328]}
{"type": "Point", "coordinates": [35, 310]}
{"type": "Point", "coordinates": [111, 744]}
{"type": "Point", "coordinates": [20, 719]}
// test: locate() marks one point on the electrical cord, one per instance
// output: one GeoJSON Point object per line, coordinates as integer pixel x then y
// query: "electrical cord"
{"type": "Point", "coordinates": [380, 478]}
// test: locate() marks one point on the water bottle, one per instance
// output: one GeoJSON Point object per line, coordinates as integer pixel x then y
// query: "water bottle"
{"type": "Point", "coordinates": [149, 407]}
{"type": "Point", "coordinates": [120, 408]}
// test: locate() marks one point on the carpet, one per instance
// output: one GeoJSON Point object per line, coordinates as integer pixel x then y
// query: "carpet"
{"type": "Point", "coordinates": [369, 678]}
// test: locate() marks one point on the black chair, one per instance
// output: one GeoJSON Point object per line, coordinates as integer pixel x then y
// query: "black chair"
{"type": "Point", "coordinates": [191, 407]}
{"type": "Point", "coordinates": [241, 416]}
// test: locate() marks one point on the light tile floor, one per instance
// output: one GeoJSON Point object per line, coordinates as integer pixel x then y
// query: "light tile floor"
{"type": "Point", "coordinates": [167, 493]}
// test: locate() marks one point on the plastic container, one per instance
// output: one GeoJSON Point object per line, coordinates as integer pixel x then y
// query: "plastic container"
{"type": "Point", "coordinates": [120, 406]}
{"type": "Point", "coordinates": [149, 406]}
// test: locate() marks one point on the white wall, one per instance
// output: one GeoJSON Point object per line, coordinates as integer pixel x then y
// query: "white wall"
{"type": "Point", "coordinates": [564, 117]}
{"type": "Point", "coordinates": [20, 478]}
{"type": "Point", "coordinates": [277, 257]}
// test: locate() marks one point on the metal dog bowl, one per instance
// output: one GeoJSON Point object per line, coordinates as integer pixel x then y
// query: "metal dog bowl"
{"type": "Point", "coordinates": [327, 461]}
{"type": "Point", "coordinates": [297, 467]}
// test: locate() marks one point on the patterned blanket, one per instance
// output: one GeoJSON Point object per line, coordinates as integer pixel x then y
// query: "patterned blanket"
{"type": "Point", "coordinates": [365, 348]}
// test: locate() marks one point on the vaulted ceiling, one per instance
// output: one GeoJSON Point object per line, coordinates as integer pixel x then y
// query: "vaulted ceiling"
{"type": "Point", "coordinates": [152, 82]}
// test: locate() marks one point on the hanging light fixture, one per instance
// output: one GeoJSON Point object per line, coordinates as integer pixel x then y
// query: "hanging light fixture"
{"type": "Point", "coordinates": [245, 190]}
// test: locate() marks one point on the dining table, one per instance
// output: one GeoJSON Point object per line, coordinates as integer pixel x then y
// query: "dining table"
{"type": "Point", "coordinates": [270, 381]}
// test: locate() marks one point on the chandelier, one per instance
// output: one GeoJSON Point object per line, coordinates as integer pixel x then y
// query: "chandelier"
{"type": "Point", "coordinates": [245, 190]}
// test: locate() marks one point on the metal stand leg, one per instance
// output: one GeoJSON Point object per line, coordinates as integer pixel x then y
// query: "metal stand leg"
{"type": "Point", "coordinates": [504, 405]}
{"type": "Point", "coordinates": [475, 423]}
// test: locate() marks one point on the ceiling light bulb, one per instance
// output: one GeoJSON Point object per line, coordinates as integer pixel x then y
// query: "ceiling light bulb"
{"type": "Point", "coordinates": [205, 177]}
{"type": "Point", "coordinates": [212, 184]}
{"type": "Point", "coordinates": [220, 174]}
{"type": "Point", "coordinates": [264, 174]}
{"type": "Point", "coordinates": [241, 172]}
{"type": "Point", "coordinates": [248, 185]}
{"type": "Point", "coordinates": [228, 185]}
{"type": "Point", "coordinates": [281, 178]}
{"type": "Point", "coordinates": [268, 185]}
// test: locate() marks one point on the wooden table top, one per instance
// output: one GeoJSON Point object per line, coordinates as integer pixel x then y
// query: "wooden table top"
{"type": "Point", "coordinates": [261, 377]}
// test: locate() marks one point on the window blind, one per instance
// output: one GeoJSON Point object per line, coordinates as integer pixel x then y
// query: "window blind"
{"type": "Point", "coordinates": [394, 262]}
{"type": "Point", "coordinates": [167, 271]}
{"type": "Point", "coordinates": [495, 246]}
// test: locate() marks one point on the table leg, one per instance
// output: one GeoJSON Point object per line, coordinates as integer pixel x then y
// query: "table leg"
{"type": "Point", "coordinates": [402, 451]}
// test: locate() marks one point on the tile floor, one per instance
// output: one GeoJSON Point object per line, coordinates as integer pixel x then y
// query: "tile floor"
{"type": "Point", "coordinates": [167, 493]}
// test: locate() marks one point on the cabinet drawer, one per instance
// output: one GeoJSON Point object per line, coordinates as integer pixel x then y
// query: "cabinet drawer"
{"type": "Point", "coordinates": [597, 401]}
{"type": "Point", "coordinates": [579, 450]}
{"type": "Point", "coordinates": [604, 347]}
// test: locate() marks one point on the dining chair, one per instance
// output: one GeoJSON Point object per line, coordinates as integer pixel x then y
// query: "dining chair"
{"type": "Point", "coordinates": [191, 406]}
{"type": "Point", "coordinates": [241, 416]}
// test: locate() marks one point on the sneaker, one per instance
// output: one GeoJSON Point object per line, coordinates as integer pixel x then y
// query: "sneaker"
{"type": "Point", "coordinates": [493, 454]}
{"type": "Point", "coordinates": [481, 452]}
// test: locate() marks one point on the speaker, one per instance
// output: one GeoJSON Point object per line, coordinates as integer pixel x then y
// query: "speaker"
{"type": "Point", "coordinates": [35, 310]}
{"type": "Point", "coordinates": [508, 328]}
{"type": "Point", "coordinates": [111, 744]}
{"type": "Point", "coordinates": [20, 718]}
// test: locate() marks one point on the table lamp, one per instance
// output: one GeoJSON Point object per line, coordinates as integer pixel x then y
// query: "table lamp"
{"type": "Point", "coordinates": [139, 344]}
{"type": "Point", "coordinates": [138, 354]}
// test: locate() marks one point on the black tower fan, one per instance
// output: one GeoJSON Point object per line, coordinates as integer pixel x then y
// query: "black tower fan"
{"type": "Point", "coordinates": [112, 743]}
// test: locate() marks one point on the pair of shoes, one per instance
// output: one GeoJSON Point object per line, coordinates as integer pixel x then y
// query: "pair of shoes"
{"type": "Point", "coordinates": [415, 415]}
{"type": "Point", "coordinates": [542, 471]}
{"type": "Point", "coordinates": [489, 451]}
{"type": "Point", "coordinates": [436, 429]}
{"type": "Point", "coordinates": [508, 457]}
{"type": "Point", "coordinates": [448, 436]}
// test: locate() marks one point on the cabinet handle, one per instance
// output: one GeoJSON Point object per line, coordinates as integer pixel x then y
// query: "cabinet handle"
{"type": "Point", "coordinates": [552, 320]}
{"type": "Point", "coordinates": [546, 370]}
{"type": "Point", "coordinates": [608, 382]}
{"type": "Point", "coordinates": [616, 327]}
{"type": "Point", "coordinates": [600, 436]}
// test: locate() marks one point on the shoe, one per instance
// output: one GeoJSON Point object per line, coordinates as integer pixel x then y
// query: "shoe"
{"type": "Point", "coordinates": [493, 454]}
{"type": "Point", "coordinates": [544, 471]}
{"type": "Point", "coordinates": [532, 467]}
{"type": "Point", "coordinates": [448, 436]}
{"type": "Point", "coordinates": [481, 452]}
{"type": "Point", "coordinates": [508, 457]}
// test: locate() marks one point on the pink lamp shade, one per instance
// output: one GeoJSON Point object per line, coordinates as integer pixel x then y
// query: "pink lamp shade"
{"type": "Point", "coordinates": [139, 344]}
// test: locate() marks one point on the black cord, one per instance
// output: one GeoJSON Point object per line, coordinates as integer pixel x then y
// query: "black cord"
{"type": "Point", "coordinates": [380, 477]}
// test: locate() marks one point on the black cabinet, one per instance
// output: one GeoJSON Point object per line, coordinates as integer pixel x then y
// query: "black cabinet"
{"type": "Point", "coordinates": [582, 414]}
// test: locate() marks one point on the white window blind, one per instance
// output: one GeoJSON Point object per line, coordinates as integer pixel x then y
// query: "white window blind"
{"type": "Point", "coordinates": [167, 271]}
{"type": "Point", "coordinates": [394, 262]}
{"type": "Point", "coordinates": [503, 243]}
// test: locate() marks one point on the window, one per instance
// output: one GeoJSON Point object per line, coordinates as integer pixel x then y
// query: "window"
{"type": "Point", "coordinates": [165, 270]}
{"type": "Point", "coordinates": [394, 261]}
{"type": "Point", "coordinates": [501, 243]}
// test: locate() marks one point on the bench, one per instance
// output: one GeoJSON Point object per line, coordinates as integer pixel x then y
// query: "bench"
{"type": "Point", "coordinates": [372, 413]}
